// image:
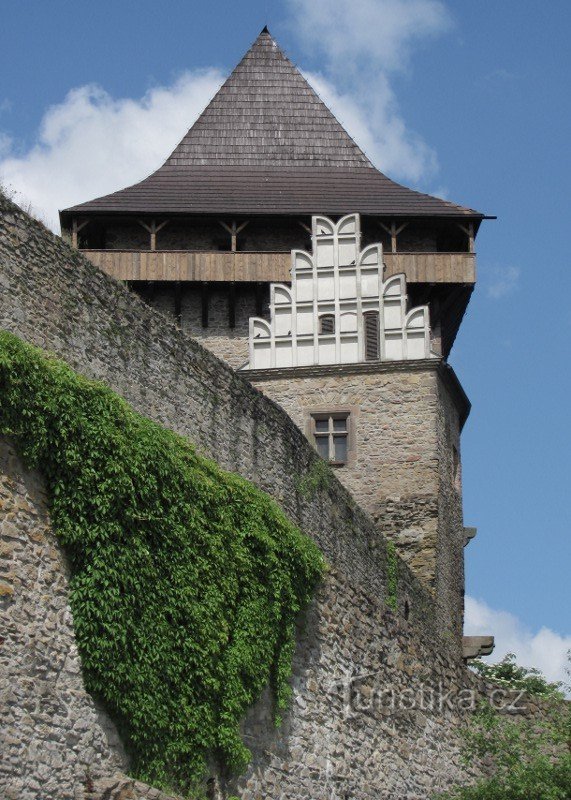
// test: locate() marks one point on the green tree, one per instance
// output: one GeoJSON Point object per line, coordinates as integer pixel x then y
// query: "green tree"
{"type": "Point", "coordinates": [507, 674]}
{"type": "Point", "coordinates": [531, 757]}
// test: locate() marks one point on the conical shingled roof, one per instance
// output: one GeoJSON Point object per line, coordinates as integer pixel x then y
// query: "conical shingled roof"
{"type": "Point", "coordinates": [266, 114]}
{"type": "Point", "coordinates": [267, 144]}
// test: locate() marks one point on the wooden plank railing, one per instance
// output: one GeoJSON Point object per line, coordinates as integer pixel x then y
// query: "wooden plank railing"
{"type": "Point", "coordinates": [432, 267]}
{"type": "Point", "coordinates": [200, 265]}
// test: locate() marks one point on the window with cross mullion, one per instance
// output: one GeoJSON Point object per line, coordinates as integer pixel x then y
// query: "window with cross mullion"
{"type": "Point", "coordinates": [330, 432]}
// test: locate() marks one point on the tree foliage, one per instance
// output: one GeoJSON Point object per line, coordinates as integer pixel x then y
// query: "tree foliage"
{"type": "Point", "coordinates": [186, 581]}
{"type": "Point", "coordinates": [509, 675]}
{"type": "Point", "coordinates": [531, 757]}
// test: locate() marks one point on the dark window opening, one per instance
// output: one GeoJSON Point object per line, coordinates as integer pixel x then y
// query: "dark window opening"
{"type": "Point", "coordinates": [327, 323]}
{"type": "Point", "coordinates": [371, 335]}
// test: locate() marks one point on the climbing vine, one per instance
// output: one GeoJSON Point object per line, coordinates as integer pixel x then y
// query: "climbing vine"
{"type": "Point", "coordinates": [186, 581]}
{"type": "Point", "coordinates": [317, 478]}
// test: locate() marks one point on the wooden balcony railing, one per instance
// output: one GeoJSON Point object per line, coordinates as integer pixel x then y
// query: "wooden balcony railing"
{"type": "Point", "coordinates": [199, 265]}
{"type": "Point", "coordinates": [432, 267]}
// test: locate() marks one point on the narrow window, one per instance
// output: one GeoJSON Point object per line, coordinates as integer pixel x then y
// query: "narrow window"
{"type": "Point", "coordinates": [327, 323]}
{"type": "Point", "coordinates": [371, 319]}
{"type": "Point", "coordinates": [331, 436]}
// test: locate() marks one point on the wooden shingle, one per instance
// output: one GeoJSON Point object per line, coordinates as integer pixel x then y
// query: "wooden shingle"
{"type": "Point", "coordinates": [266, 143]}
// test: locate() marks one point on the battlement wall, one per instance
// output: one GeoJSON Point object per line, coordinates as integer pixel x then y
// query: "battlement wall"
{"type": "Point", "coordinates": [339, 739]}
{"type": "Point", "coordinates": [54, 298]}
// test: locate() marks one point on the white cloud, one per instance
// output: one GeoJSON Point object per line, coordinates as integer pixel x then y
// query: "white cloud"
{"type": "Point", "coordinates": [545, 649]}
{"type": "Point", "coordinates": [376, 33]}
{"type": "Point", "coordinates": [504, 281]}
{"type": "Point", "coordinates": [363, 44]}
{"type": "Point", "coordinates": [5, 143]}
{"type": "Point", "coordinates": [378, 129]}
{"type": "Point", "coordinates": [91, 144]}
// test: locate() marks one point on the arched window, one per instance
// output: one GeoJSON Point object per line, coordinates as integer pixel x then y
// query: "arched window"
{"type": "Point", "coordinates": [327, 323]}
{"type": "Point", "coordinates": [371, 326]}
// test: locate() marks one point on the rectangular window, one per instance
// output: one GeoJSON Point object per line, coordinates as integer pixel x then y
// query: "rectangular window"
{"type": "Point", "coordinates": [371, 319]}
{"type": "Point", "coordinates": [330, 434]}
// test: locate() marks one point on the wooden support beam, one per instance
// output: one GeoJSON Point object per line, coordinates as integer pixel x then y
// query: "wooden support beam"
{"type": "Point", "coordinates": [393, 231]}
{"type": "Point", "coordinates": [204, 297]}
{"type": "Point", "coordinates": [178, 303]}
{"type": "Point", "coordinates": [469, 231]}
{"type": "Point", "coordinates": [232, 305]}
{"type": "Point", "coordinates": [75, 229]}
{"type": "Point", "coordinates": [233, 229]}
{"type": "Point", "coordinates": [471, 237]}
{"type": "Point", "coordinates": [153, 229]}
{"type": "Point", "coordinates": [305, 227]}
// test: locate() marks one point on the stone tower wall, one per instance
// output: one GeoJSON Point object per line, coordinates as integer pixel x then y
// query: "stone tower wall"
{"type": "Point", "coordinates": [404, 426]}
{"type": "Point", "coordinates": [229, 344]}
{"type": "Point", "coordinates": [332, 744]}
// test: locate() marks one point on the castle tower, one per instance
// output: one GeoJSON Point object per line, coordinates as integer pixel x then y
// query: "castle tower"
{"type": "Point", "coordinates": [270, 237]}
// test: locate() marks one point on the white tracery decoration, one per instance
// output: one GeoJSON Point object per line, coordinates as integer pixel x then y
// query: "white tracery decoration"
{"type": "Point", "coordinates": [320, 319]}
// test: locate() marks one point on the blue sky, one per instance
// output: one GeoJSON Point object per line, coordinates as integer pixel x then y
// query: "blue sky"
{"type": "Point", "coordinates": [467, 100]}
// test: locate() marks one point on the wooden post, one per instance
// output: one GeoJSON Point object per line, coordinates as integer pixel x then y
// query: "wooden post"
{"type": "Point", "coordinates": [393, 231]}
{"type": "Point", "coordinates": [469, 231]}
{"type": "Point", "coordinates": [153, 229]}
{"type": "Point", "coordinates": [75, 229]}
{"type": "Point", "coordinates": [233, 229]}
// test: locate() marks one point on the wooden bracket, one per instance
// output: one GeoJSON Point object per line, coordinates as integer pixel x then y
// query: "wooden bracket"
{"type": "Point", "coordinates": [469, 231]}
{"type": "Point", "coordinates": [305, 227]}
{"type": "Point", "coordinates": [153, 229]}
{"type": "Point", "coordinates": [75, 229]}
{"type": "Point", "coordinates": [393, 231]}
{"type": "Point", "coordinates": [233, 229]}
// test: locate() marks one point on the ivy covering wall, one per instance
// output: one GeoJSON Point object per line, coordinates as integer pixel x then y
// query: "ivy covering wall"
{"type": "Point", "coordinates": [186, 581]}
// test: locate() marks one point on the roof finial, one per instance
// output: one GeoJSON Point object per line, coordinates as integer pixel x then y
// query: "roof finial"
{"type": "Point", "coordinates": [264, 30]}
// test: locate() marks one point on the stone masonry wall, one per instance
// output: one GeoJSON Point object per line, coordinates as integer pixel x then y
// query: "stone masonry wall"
{"type": "Point", "coordinates": [40, 670]}
{"type": "Point", "coordinates": [451, 537]}
{"type": "Point", "coordinates": [403, 426]}
{"type": "Point", "coordinates": [55, 741]}
{"type": "Point", "coordinates": [279, 234]}
{"type": "Point", "coordinates": [51, 296]}
{"type": "Point", "coordinates": [229, 344]}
